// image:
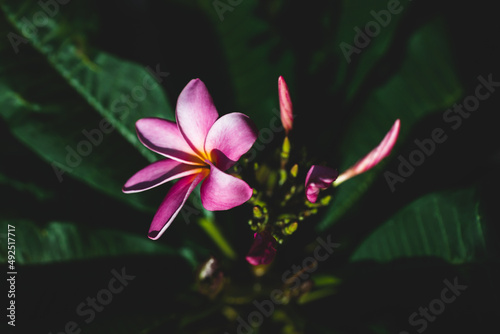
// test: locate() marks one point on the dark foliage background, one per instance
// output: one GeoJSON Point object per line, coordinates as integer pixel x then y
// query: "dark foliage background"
{"type": "Point", "coordinates": [82, 64]}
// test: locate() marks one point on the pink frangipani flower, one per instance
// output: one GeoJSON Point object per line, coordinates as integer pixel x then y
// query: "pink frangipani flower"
{"type": "Point", "coordinates": [321, 177]}
{"type": "Point", "coordinates": [263, 249]}
{"type": "Point", "coordinates": [199, 147]}
{"type": "Point", "coordinates": [285, 105]}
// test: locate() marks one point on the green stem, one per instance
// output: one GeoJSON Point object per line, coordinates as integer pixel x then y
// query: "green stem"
{"type": "Point", "coordinates": [213, 232]}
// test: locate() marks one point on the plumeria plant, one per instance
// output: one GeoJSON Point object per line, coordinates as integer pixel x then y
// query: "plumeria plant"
{"type": "Point", "coordinates": [159, 175]}
{"type": "Point", "coordinates": [200, 147]}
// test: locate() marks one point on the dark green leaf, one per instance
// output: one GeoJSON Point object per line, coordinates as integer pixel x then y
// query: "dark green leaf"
{"type": "Point", "coordinates": [447, 225]}
{"type": "Point", "coordinates": [424, 84]}
{"type": "Point", "coordinates": [63, 242]}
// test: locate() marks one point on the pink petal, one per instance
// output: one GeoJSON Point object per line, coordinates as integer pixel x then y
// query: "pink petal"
{"type": "Point", "coordinates": [263, 249]}
{"type": "Point", "coordinates": [318, 177]}
{"type": "Point", "coordinates": [285, 105]}
{"type": "Point", "coordinates": [158, 173]}
{"type": "Point", "coordinates": [164, 137]}
{"type": "Point", "coordinates": [374, 157]}
{"type": "Point", "coordinates": [230, 137]}
{"type": "Point", "coordinates": [195, 114]}
{"type": "Point", "coordinates": [172, 204]}
{"type": "Point", "coordinates": [221, 191]}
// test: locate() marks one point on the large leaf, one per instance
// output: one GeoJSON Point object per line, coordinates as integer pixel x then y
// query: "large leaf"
{"type": "Point", "coordinates": [120, 91]}
{"type": "Point", "coordinates": [247, 46]}
{"type": "Point", "coordinates": [425, 83]}
{"type": "Point", "coordinates": [357, 53]}
{"type": "Point", "coordinates": [55, 99]}
{"type": "Point", "coordinates": [27, 187]}
{"type": "Point", "coordinates": [65, 242]}
{"type": "Point", "coordinates": [57, 135]}
{"type": "Point", "coordinates": [447, 225]}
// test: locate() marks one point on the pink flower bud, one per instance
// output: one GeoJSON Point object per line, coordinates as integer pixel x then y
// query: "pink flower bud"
{"type": "Point", "coordinates": [285, 105]}
{"type": "Point", "coordinates": [373, 158]}
{"type": "Point", "coordinates": [263, 249]}
{"type": "Point", "coordinates": [318, 177]}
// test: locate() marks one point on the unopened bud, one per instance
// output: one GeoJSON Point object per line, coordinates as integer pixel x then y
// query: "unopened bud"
{"type": "Point", "coordinates": [285, 105]}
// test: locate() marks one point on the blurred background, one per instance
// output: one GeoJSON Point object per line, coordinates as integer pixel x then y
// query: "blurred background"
{"type": "Point", "coordinates": [75, 76]}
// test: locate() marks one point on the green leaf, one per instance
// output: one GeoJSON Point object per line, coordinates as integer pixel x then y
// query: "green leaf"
{"type": "Point", "coordinates": [63, 242]}
{"type": "Point", "coordinates": [58, 136]}
{"type": "Point", "coordinates": [426, 82]}
{"type": "Point", "coordinates": [447, 225]}
{"type": "Point", "coordinates": [358, 59]}
{"type": "Point", "coordinates": [120, 91]}
{"type": "Point", "coordinates": [65, 105]}
{"type": "Point", "coordinates": [254, 74]}
{"type": "Point", "coordinates": [26, 187]}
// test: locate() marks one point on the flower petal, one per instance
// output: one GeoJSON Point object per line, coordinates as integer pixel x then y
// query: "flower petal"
{"type": "Point", "coordinates": [318, 177]}
{"type": "Point", "coordinates": [158, 173]}
{"type": "Point", "coordinates": [230, 137]}
{"type": "Point", "coordinates": [263, 249]}
{"type": "Point", "coordinates": [172, 204]}
{"type": "Point", "coordinates": [163, 136]}
{"type": "Point", "coordinates": [221, 191]}
{"type": "Point", "coordinates": [285, 105]}
{"type": "Point", "coordinates": [195, 113]}
{"type": "Point", "coordinates": [374, 157]}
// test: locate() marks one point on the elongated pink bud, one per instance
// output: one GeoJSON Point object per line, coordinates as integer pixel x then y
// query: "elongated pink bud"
{"type": "Point", "coordinates": [374, 157]}
{"type": "Point", "coordinates": [263, 249]}
{"type": "Point", "coordinates": [285, 105]}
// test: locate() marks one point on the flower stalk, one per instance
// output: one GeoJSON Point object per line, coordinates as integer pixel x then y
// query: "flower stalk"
{"type": "Point", "coordinates": [213, 231]}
